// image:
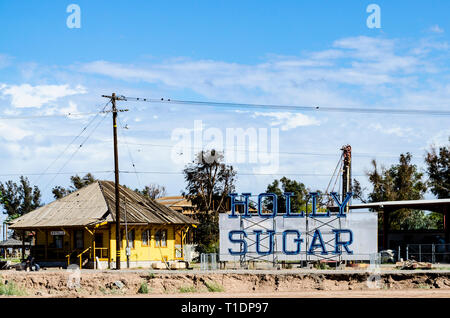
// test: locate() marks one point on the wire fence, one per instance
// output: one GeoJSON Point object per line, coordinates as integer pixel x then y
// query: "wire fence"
{"type": "Point", "coordinates": [208, 261]}
{"type": "Point", "coordinates": [432, 253]}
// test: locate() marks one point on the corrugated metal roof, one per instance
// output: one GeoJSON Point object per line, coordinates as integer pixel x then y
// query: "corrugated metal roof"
{"type": "Point", "coordinates": [175, 201]}
{"type": "Point", "coordinates": [96, 203]}
{"type": "Point", "coordinates": [141, 209]}
{"type": "Point", "coordinates": [11, 242]}
{"type": "Point", "coordinates": [432, 205]}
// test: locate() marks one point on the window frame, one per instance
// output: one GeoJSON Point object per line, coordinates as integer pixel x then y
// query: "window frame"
{"type": "Point", "coordinates": [131, 243]}
{"type": "Point", "coordinates": [75, 239]}
{"type": "Point", "coordinates": [55, 240]}
{"type": "Point", "coordinates": [158, 238]}
{"type": "Point", "coordinates": [147, 233]}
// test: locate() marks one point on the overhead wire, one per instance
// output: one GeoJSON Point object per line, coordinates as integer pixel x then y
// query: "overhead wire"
{"type": "Point", "coordinates": [77, 149]}
{"type": "Point", "coordinates": [48, 116]}
{"type": "Point", "coordinates": [129, 152]}
{"type": "Point", "coordinates": [272, 152]}
{"type": "Point", "coordinates": [73, 140]}
{"type": "Point", "coordinates": [433, 112]}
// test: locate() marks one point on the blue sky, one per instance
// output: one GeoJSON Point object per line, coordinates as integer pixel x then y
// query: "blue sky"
{"type": "Point", "coordinates": [315, 53]}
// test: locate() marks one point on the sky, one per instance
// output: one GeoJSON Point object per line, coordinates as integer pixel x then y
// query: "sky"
{"type": "Point", "coordinates": [306, 53]}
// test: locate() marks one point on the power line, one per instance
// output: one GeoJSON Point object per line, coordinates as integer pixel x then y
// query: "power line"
{"type": "Point", "coordinates": [129, 152]}
{"type": "Point", "coordinates": [47, 116]}
{"type": "Point", "coordinates": [51, 173]}
{"type": "Point", "coordinates": [361, 154]}
{"type": "Point", "coordinates": [73, 140]}
{"type": "Point", "coordinates": [294, 107]}
{"type": "Point", "coordinates": [244, 173]}
{"type": "Point", "coordinates": [76, 150]}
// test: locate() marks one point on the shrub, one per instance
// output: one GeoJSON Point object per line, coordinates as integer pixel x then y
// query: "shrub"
{"type": "Point", "coordinates": [214, 287]}
{"type": "Point", "coordinates": [11, 289]}
{"type": "Point", "coordinates": [188, 289]}
{"type": "Point", "coordinates": [144, 288]}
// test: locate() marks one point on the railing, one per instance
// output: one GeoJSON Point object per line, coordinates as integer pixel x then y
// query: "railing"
{"type": "Point", "coordinates": [101, 252]}
{"type": "Point", "coordinates": [80, 256]}
{"type": "Point", "coordinates": [432, 253]}
{"type": "Point", "coordinates": [49, 253]}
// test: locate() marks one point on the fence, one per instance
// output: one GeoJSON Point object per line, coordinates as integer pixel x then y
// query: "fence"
{"type": "Point", "coordinates": [432, 253]}
{"type": "Point", "coordinates": [208, 262]}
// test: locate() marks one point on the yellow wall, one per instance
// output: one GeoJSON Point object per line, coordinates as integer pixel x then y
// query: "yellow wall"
{"type": "Point", "coordinates": [141, 252]}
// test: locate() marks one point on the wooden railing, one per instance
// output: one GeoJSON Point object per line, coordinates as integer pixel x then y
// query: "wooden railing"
{"type": "Point", "coordinates": [101, 252]}
{"type": "Point", "coordinates": [80, 256]}
{"type": "Point", "coordinates": [49, 253]}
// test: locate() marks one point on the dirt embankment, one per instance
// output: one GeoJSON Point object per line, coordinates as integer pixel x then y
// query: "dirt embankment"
{"type": "Point", "coordinates": [133, 283]}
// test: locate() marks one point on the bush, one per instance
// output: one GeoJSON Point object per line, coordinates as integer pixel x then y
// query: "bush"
{"type": "Point", "coordinates": [188, 289]}
{"type": "Point", "coordinates": [214, 287]}
{"type": "Point", "coordinates": [144, 288]}
{"type": "Point", "coordinates": [11, 289]}
{"type": "Point", "coordinates": [212, 247]}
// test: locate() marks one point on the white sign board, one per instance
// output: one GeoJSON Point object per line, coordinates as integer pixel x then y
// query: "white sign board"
{"type": "Point", "coordinates": [297, 239]}
{"type": "Point", "coordinates": [55, 233]}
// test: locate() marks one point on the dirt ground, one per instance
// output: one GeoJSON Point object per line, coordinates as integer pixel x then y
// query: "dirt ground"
{"type": "Point", "coordinates": [143, 283]}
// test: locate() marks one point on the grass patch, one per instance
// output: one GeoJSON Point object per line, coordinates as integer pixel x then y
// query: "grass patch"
{"type": "Point", "coordinates": [423, 286]}
{"type": "Point", "coordinates": [214, 287]}
{"type": "Point", "coordinates": [188, 289]}
{"type": "Point", "coordinates": [151, 275]}
{"type": "Point", "coordinates": [321, 265]}
{"type": "Point", "coordinates": [143, 289]}
{"type": "Point", "coordinates": [11, 289]}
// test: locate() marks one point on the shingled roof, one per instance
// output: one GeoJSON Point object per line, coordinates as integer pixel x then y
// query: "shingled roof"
{"type": "Point", "coordinates": [94, 204]}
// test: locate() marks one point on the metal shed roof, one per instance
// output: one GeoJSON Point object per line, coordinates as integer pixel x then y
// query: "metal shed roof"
{"type": "Point", "coordinates": [437, 205]}
{"type": "Point", "coordinates": [11, 242]}
{"type": "Point", "coordinates": [95, 203]}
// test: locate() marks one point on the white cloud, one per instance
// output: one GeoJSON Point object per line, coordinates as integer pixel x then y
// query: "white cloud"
{"type": "Point", "coordinates": [289, 120]}
{"type": "Point", "coordinates": [313, 78]}
{"type": "Point", "coordinates": [393, 130]}
{"type": "Point", "coordinates": [5, 60]}
{"type": "Point", "coordinates": [436, 29]}
{"type": "Point", "coordinates": [25, 95]}
{"type": "Point", "coordinates": [10, 131]}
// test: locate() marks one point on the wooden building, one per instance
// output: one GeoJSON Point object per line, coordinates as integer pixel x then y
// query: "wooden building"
{"type": "Point", "coordinates": [179, 204]}
{"type": "Point", "coordinates": [80, 229]}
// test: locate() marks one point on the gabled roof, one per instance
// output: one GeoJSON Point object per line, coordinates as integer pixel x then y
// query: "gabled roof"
{"type": "Point", "coordinates": [175, 202]}
{"type": "Point", "coordinates": [94, 204]}
{"type": "Point", "coordinates": [12, 242]}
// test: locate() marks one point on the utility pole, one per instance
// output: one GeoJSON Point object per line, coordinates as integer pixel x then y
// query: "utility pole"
{"type": "Point", "coordinates": [346, 172]}
{"type": "Point", "coordinates": [114, 110]}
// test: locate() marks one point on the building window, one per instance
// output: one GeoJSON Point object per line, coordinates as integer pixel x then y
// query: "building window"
{"type": "Point", "coordinates": [58, 241]}
{"type": "Point", "coordinates": [131, 239]}
{"type": "Point", "coordinates": [161, 238]}
{"type": "Point", "coordinates": [146, 238]}
{"type": "Point", "coordinates": [98, 237]}
{"type": "Point", "coordinates": [78, 236]}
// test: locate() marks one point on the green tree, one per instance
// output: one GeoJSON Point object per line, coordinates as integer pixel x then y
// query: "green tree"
{"type": "Point", "coordinates": [152, 191]}
{"type": "Point", "coordinates": [209, 181]}
{"type": "Point", "coordinates": [298, 200]}
{"type": "Point", "coordinates": [402, 181]}
{"type": "Point", "coordinates": [77, 183]}
{"type": "Point", "coordinates": [438, 169]}
{"type": "Point", "coordinates": [19, 199]}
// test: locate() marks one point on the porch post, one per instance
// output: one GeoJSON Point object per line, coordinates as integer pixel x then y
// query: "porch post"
{"type": "Point", "coordinates": [446, 213]}
{"type": "Point", "coordinates": [23, 244]}
{"type": "Point", "coordinates": [46, 245]}
{"type": "Point", "coordinates": [385, 229]}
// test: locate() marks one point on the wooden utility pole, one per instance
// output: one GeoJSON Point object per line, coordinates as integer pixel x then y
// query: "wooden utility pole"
{"type": "Point", "coordinates": [347, 172]}
{"type": "Point", "coordinates": [116, 178]}
{"type": "Point", "coordinates": [113, 98]}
